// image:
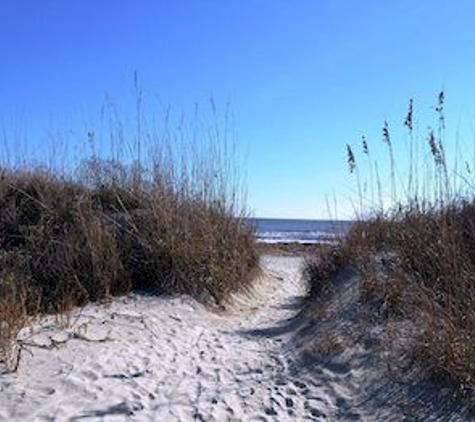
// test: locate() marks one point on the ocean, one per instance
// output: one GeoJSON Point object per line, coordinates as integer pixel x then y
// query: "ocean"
{"type": "Point", "coordinates": [271, 230]}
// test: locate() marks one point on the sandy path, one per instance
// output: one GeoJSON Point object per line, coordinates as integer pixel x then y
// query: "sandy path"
{"type": "Point", "coordinates": [148, 358]}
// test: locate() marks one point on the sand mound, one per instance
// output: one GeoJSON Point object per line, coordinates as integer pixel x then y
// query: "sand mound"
{"type": "Point", "coordinates": [366, 372]}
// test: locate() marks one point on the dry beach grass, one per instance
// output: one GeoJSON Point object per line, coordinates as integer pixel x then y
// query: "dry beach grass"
{"type": "Point", "coordinates": [417, 261]}
{"type": "Point", "coordinates": [172, 222]}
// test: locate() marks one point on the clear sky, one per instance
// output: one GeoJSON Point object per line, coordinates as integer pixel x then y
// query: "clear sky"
{"type": "Point", "coordinates": [303, 77]}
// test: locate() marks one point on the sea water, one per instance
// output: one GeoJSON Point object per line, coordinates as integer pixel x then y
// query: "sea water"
{"type": "Point", "coordinates": [272, 230]}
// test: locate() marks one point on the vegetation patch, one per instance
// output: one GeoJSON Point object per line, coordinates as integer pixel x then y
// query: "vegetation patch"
{"type": "Point", "coordinates": [417, 260]}
{"type": "Point", "coordinates": [172, 224]}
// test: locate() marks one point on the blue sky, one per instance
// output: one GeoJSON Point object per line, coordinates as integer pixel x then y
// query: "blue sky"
{"type": "Point", "coordinates": [303, 77]}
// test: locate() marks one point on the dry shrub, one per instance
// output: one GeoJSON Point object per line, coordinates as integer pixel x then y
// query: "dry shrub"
{"type": "Point", "coordinates": [417, 260]}
{"type": "Point", "coordinates": [192, 248]}
{"type": "Point", "coordinates": [69, 254]}
{"type": "Point", "coordinates": [322, 269]}
{"type": "Point", "coordinates": [426, 273]}
{"type": "Point", "coordinates": [173, 223]}
{"type": "Point", "coordinates": [72, 243]}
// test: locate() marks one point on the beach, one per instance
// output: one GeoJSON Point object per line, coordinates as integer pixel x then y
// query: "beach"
{"type": "Point", "coordinates": [265, 357]}
{"type": "Point", "coordinates": [151, 358]}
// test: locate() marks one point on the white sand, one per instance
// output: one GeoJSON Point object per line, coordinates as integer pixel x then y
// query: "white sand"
{"type": "Point", "coordinates": [149, 358]}
{"type": "Point", "coordinates": [158, 359]}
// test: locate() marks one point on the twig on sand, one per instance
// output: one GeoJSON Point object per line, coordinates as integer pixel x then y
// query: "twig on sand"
{"type": "Point", "coordinates": [56, 343]}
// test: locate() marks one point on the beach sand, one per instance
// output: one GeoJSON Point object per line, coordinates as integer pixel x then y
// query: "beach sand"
{"type": "Point", "coordinates": [172, 359]}
{"type": "Point", "coordinates": [165, 359]}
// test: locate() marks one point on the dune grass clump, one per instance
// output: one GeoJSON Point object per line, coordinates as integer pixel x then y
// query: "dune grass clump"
{"type": "Point", "coordinates": [322, 269]}
{"type": "Point", "coordinates": [417, 258]}
{"type": "Point", "coordinates": [171, 224]}
{"type": "Point", "coordinates": [428, 276]}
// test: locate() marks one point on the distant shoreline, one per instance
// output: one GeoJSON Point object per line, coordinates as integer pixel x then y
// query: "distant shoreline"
{"type": "Point", "coordinates": [299, 231]}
